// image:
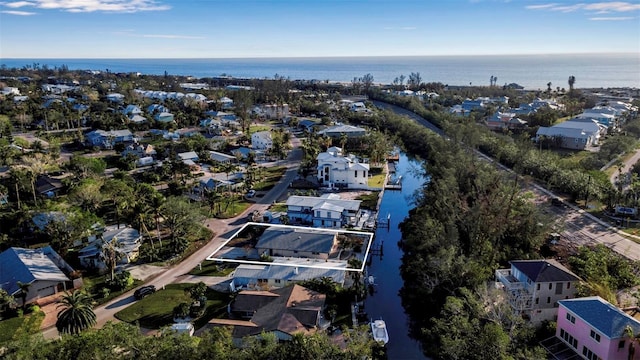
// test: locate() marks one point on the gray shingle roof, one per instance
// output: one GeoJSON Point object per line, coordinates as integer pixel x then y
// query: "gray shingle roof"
{"type": "Point", "coordinates": [544, 270]}
{"type": "Point", "coordinates": [308, 240]}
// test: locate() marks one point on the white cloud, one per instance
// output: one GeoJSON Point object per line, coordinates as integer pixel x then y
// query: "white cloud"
{"type": "Point", "coordinates": [77, 6]}
{"type": "Point", "coordinates": [612, 18]}
{"type": "Point", "coordinates": [600, 7]}
{"type": "Point", "coordinates": [18, 13]}
{"type": "Point", "coordinates": [131, 33]}
{"type": "Point", "coordinates": [18, 4]}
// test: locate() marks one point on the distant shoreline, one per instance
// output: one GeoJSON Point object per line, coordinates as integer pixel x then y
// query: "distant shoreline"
{"type": "Point", "coordinates": [534, 72]}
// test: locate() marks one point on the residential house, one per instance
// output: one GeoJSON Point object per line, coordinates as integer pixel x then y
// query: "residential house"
{"type": "Point", "coordinates": [275, 111]}
{"type": "Point", "coordinates": [348, 130]}
{"type": "Point", "coordinates": [261, 140]}
{"type": "Point", "coordinates": [595, 329]}
{"type": "Point", "coordinates": [458, 111]}
{"type": "Point", "coordinates": [156, 109]}
{"type": "Point", "coordinates": [225, 102]}
{"type": "Point", "coordinates": [107, 139]}
{"type": "Point", "coordinates": [222, 158]}
{"type": "Point", "coordinates": [139, 150]}
{"type": "Point", "coordinates": [327, 211]}
{"type": "Point", "coordinates": [57, 89]}
{"type": "Point", "coordinates": [48, 186]}
{"type": "Point", "coordinates": [534, 287]}
{"type": "Point", "coordinates": [250, 276]}
{"type": "Point", "coordinates": [43, 269]}
{"type": "Point", "coordinates": [7, 90]}
{"type": "Point", "coordinates": [128, 242]}
{"type": "Point", "coordinates": [341, 171]}
{"type": "Point", "coordinates": [477, 104]}
{"type": "Point", "coordinates": [131, 110]}
{"type": "Point", "coordinates": [189, 158]}
{"type": "Point", "coordinates": [307, 125]}
{"type": "Point", "coordinates": [115, 97]}
{"type": "Point", "coordinates": [573, 134]}
{"type": "Point", "coordinates": [296, 242]}
{"type": "Point", "coordinates": [164, 117]}
{"type": "Point", "coordinates": [505, 120]}
{"type": "Point", "coordinates": [284, 312]}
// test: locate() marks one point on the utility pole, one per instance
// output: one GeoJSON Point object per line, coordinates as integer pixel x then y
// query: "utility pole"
{"type": "Point", "coordinates": [586, 197]}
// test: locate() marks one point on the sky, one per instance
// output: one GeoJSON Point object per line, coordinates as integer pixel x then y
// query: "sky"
{"type": "Point", "coordinates": [40, 29]}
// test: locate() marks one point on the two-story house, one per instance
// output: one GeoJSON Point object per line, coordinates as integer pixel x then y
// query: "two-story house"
{"type": "Point", "coordinates": [595, 329]}
{"type": "Point", "coordinates": [534, 287]}
{"type": "Point", "coordinates": [334, 169]}
{"type": "Point", "coordinates": [327, 211]}
{"type": "Point", "coordinates": [261, 140]}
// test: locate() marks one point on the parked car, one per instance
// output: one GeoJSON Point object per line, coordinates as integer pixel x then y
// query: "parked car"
{"type": "Point", "coordinates": [144, 291]}
{"type": "Point", "coordinates": [251, 193]}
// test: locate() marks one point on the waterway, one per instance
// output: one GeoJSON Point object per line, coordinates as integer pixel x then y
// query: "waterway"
{"type": "Point", "coordinates": [385, 302]}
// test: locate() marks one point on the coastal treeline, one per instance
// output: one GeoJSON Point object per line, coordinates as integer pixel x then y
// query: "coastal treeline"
{"type": "Point", "coordinates": [469, 219]}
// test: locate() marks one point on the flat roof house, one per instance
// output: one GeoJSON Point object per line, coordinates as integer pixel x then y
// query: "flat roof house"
{"type": "Point", "coordinates": [327, 211]}
{"type": "Point", "coordinates": [250, 276]}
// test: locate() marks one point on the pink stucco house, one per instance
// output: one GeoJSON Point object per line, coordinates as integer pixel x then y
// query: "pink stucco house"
{"type": "Point", "coordinates": [595, 329]}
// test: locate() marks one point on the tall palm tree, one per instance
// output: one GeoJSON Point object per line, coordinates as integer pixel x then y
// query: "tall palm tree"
{"type": "Point", "coordinates": [77, 314]}
{"type": "Point", "coordinates": [24, 291]}
{"type": "Point", "coordinates": [572, 80]}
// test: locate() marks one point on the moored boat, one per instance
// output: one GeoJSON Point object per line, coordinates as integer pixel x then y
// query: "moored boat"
{"type": "Point", "coordinates": [379, 331]}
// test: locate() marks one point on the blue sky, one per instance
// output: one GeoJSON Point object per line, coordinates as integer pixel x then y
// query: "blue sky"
{"type": "Point", "coordinates": [309, 28]}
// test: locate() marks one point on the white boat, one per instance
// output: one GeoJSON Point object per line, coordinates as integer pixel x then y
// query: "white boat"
{"type": "Point", "coordinates": [371, 280]}
{"type": "Point", "coordinates": [379, 331]}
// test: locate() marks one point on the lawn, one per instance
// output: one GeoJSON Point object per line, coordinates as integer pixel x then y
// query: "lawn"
{"type": "Point", "coordinates": [377, 177]}
{"type": "Point", "coordinates": [156, 310]}
{"type": "Point", "coordinates": [271, 177]}
{"type": "Point", "coordinates": [257, 128]}
{"type": "Point", "coordinates": [233, 210]}
{"type": "Point", "coordinates": [213, 268]}
{"type": "Point", "coordinates": [18, 326]}
{"type": "Point", "coordinates": [94, 284]}
{"type": "Point", "coordinates": [369, 201]}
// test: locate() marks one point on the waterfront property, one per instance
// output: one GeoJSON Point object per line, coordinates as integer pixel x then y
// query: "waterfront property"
{"type": "Point", "coordinates": [296, 242]}
{"type": "Point", "coordinates": [43, 270]}
{"type": "Point", "coordinates": [250, 276]}
{"type": "Point", "coordinates": [283, 312]}
{"type": "Point", "coordinates": [592, 328]}
{"type": "Point", "coordinates": [326, 211]}
{"type": "Point", "coordinates": [534, 287]}
{"type": "Point", "coordinates": [347, 130]}
{"type": "Point", "coordinates": [337, 170]}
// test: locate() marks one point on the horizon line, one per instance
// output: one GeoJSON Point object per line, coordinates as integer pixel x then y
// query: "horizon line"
{"type": "Point", "coordinates": [318, 57]}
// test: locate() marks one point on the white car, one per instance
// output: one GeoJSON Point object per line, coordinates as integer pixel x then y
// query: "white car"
{"type": "Point", "coordinates": [251, 193]}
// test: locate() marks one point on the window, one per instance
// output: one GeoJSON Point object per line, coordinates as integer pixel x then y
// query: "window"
{"type": "Point", "coordinates": [589, 354]}
{"type": "Point", "coordinates": [277, 281]}
{"type": "Point", "coordinates": [356, 173]}
{"type": "Point", "coordinates": [537, 301]}
{"type": "Point", "coordinates": [621, 344]}
{"type": "Point", "coordinates": [538, 287]}
{"type": "Point", "coordinates": [548, 299]}
{"type": "Point", "coordinates": [594, 335]}
{"type": "Point", "coordinates": [571, 318]}
{"type": "Point", "coordinates": [568, 338]}
{"type": "Point", "coordinates": [568, 285]}
{"type": "Point", "coordinates": [550, 286]}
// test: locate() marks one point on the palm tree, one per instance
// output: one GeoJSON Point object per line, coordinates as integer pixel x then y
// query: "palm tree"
{"type": "Point", "coordinates": [24, 291]}
{"type": "Point", "coordinates": [77, 314]}
{"type": "Point", "coordinates": [572, 80]}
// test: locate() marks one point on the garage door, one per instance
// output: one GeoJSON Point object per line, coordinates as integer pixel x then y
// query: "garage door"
{"type": "Point", "coordinates": [47, 291]}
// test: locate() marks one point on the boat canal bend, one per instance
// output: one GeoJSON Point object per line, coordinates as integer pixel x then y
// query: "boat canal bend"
{"type": "Point", "coordinates": [383, 301]}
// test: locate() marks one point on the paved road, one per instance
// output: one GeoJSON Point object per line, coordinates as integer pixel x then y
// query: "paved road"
{"type": "Point", "coordinates": [580, 227]}
{"type": "Point", "coordinates": [625, 170]}
{"type": "Point", "coordinates": [223, 229]}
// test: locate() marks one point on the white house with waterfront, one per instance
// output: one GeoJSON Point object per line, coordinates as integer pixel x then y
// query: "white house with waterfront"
{"type": "Point", "coordinates": [337, 170]}
{"type": "Point", "coordinates": [326, 211]}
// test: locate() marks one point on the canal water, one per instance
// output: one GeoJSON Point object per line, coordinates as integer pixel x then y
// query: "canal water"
{"type": "Point", "coordinates": [385, 303]}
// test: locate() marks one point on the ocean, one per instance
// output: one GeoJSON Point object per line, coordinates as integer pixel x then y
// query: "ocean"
{"type": "Point", "coordinates": [531, 71]}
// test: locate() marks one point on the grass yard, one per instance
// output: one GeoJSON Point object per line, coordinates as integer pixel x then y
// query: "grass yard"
{"type": "Point", "coordinates": [369, 201]}
{"type": "Point", "coordinates": [258, 128]}
{"type": "Point", "coordinates": [213, 268]}
{"type": "Point", "coordinates": [233, 210]}
{"type": "Point", "coordinates": [94, 284]}
{"type": "Point", "coordinates": [19, 326]}
{"type": "Point", "coordinates": [156, 310]}
{"type": "Point", "coordinates": [377, 177]}
{"type": "Point", "coordinates": [271, 177]}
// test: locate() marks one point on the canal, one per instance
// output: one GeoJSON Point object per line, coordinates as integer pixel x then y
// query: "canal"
{"type": "Point", "coordinates": [385, 302]}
